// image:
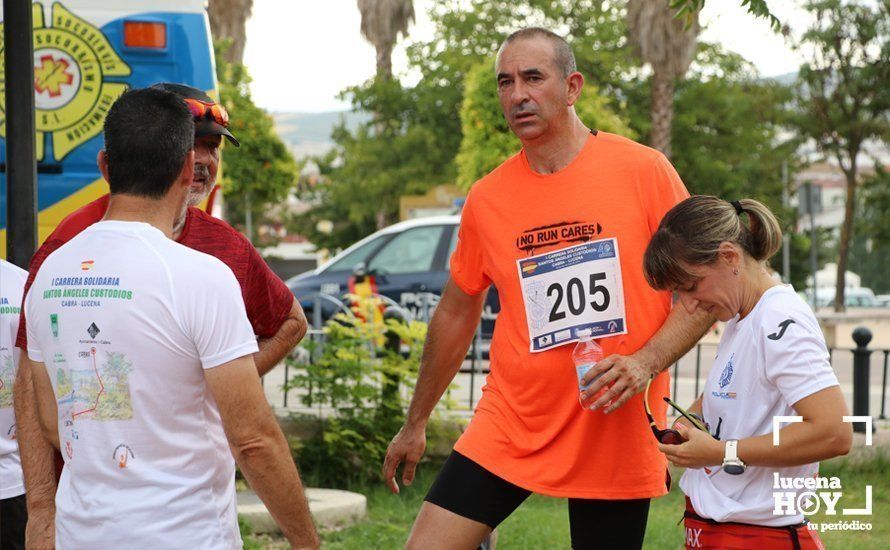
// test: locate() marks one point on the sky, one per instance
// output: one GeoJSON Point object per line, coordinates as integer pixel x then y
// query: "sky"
{"type": "Point", "coordinates": [302, 53]}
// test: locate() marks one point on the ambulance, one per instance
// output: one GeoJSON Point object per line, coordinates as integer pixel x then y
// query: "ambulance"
{"type": "Point", "coordinates": [86, 54]}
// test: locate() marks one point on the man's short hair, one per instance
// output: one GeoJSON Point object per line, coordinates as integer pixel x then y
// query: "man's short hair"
{"type": "Point", "coordinates": [563, 56]}
{"type": "Point", "coordinates": [148, 134]}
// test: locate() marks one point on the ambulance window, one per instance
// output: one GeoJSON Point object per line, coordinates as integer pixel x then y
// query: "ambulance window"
{"type": "Point", "coordinates": [409, 252]}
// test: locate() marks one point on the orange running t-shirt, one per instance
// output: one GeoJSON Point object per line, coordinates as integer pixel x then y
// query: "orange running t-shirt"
{"type": "Point", "coordinates": [529, 428]}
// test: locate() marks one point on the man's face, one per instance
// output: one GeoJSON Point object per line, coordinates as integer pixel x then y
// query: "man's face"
{"type": "Point", "coordinates": [206, 166]}
{"type": "Point", "coordinates": [532, 90]}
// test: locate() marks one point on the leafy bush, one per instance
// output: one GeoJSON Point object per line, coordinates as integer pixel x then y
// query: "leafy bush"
{"type": "Point", "coordinates": [355, 379]}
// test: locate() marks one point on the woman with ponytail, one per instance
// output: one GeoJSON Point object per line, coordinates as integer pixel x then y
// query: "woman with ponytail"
{"type": "Point", "coordinates": [772, 361]}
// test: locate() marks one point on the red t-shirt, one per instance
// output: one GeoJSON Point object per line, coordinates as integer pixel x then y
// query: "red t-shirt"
{"type": "Point", "coordinates": [266, 297]}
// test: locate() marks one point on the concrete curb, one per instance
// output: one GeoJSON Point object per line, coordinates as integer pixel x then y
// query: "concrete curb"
{"type": "Point", "coordinates": [330, 508]}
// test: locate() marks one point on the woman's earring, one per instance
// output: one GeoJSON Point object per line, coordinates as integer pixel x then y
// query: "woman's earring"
{"type": "Point", "coordinates": [735, 271]}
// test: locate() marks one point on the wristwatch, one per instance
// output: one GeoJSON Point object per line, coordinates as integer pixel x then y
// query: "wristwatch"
{"type": "Point", "coordinates": [732, 464]}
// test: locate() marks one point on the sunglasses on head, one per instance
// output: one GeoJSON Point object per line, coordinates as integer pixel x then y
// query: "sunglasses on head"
{"type": "Point", "coordinates": [201, 109]}
{"type": "Point", "coordinates": [669, 436]}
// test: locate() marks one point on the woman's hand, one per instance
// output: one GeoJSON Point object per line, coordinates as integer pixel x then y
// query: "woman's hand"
{"type": "Point", "coordinates": [699, 449]}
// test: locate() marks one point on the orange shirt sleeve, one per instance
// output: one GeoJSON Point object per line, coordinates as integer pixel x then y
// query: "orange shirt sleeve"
{"type": "Point", "coordinates": [665, 190]}
{"type": "Point", "coordinates": [467, 261]}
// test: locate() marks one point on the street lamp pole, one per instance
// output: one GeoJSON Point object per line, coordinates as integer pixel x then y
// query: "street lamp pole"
{"type": "Point", "coordinates": [21, 162]}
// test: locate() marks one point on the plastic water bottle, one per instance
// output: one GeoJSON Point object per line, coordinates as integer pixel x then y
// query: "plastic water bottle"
{"type": "Point", "coordinates": [586, 354]}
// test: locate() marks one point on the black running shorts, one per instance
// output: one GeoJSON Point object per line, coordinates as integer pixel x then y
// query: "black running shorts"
{"type": "Point", "coordinates": [469, 490]}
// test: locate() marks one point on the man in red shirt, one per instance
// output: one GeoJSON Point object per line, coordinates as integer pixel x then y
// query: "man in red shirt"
{"type": "Point", "coordinates": [275, 315]}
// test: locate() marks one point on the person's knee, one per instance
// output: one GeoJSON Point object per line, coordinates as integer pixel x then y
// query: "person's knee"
{"type": "Point", "coordinates": [439, 529]}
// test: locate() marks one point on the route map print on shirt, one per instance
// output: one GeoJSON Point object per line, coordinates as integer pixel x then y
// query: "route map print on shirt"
{"type": "Point", "coordinates": [96, 391]}
{"type": "Point", "coordinates": [7, 377]}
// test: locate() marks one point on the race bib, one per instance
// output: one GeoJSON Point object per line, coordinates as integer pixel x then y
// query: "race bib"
{"type": "Point", "coordinates": [572, 289]}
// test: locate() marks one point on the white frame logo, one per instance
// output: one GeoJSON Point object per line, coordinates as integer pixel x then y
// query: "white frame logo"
{"type": "Point", "coordinates": [818, 491]}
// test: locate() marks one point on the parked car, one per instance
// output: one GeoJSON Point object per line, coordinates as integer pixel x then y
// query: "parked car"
{"type": "Point", "coordinates": [409, 262]}
{"type": "Point", "coordinates": [883, 300]}
{"type": "Point", "coordinates": [853, 297]}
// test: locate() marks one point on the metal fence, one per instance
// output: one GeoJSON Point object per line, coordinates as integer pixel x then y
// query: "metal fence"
{"type": "Point", "coordinates": [687, 374]}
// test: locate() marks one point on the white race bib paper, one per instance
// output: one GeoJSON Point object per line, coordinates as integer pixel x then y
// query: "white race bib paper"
{"type": "Point", "coordinates": [568, 290]}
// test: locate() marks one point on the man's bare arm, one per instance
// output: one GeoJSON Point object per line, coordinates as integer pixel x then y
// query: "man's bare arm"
{"type": "Point", "coordinates": [450, 333]}
{"type": "Point", "coordinates": [679, 333]}
{"type": "Point", "coordinates": [47, 409]}
{"type": "Point", "coordinates": [38, 461]}
{"type": "Point", "coordinates": [276, 347]}
{"type": "Point", "coordinates": [260, 448]}
{"type": "Point", "coordinates": [626, 375]}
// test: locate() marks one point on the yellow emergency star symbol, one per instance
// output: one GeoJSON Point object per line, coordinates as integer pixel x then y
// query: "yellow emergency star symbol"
{"type": "Point", "coordinates": [72, 94]}
{"type": "Point", "coordinates": [50, 75]}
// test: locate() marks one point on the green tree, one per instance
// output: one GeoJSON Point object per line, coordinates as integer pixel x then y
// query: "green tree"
{"type": "Point", "coordinates": [727, 131]}
{"type": "Point", "coordinates": [412, 143]}
{"type": "Point", "coordinates": [262, 172]}
{"type": "Point", "coordinates": [844, 94]}
{"type": "Point", "coordinates": [227, 21]}
{"type": "Point", "coordinates": [871, 243]}
{"type": "Point", "coordinates": [466, 33]}
{"type": "Point", "coordinates": [667, 44]}
{"type": "Point", "coordinates": [369, 169]}
{"type": "Point", "coordinates": [382, 23]}
{"type": "Point", "coordinates": [758, 8]}
{"type": "Point", "coordinates": [487, 139]}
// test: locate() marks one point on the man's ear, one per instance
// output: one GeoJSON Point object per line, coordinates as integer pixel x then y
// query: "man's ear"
{"type": "Point", "coordinates": [188, 170]}
{"type": "Point", "coordinates": [102, 162]}
{"type": "Point", "coordinates": [575, 82]}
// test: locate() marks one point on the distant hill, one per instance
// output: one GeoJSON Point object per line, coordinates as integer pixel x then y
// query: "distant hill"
{"type": "Point", "coordinates": [309, 134]}
{"type": "Point", "coordinates": [785, 79]}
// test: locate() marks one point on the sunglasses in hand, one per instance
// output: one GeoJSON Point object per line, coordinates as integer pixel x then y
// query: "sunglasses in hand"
{"type": "Point", "coordinates": [669, 436]}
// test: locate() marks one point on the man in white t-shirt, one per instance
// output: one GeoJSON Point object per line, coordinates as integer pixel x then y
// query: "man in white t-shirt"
{"type": "Point", "coordinates": [144, 372]}
{"type": "Point", "coordinates": [13, 514]}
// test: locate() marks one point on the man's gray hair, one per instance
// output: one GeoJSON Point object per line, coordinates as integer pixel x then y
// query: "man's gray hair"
{"type": "Point", "coordinates": [563, 56]}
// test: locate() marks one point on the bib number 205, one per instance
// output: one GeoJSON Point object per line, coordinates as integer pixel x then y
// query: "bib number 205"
{"type": "Point", "coordinates": [575, 296]}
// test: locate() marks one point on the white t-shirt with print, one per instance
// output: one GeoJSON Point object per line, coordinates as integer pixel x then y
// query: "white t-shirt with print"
{"type": "Point", "coordinates": [765, 363]}
{"type": "Point", "coordinates": [12, 285]}
{"type": "Point", "coordinates": [125, 321]}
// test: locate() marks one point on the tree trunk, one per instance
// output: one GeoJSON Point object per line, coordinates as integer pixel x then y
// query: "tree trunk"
{"type": "Point", "coordinates": [227, 21]}
{"type": "Point", "coordinates": [846, 237]}
{"type": "Point", "coordinates": [662, 112]}
{"type": "Point", "coordinates": [384, 63]}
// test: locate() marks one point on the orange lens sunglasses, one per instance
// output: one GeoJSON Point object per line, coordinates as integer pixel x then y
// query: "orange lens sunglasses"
{"type": "Point", "coordinates": [201, 109]}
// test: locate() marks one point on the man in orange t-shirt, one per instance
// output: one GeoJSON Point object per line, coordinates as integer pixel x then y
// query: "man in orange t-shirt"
{"type": "Point", "coordinates": [560, 229]}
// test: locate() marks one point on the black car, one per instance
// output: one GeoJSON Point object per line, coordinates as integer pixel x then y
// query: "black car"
{"type": "Point", "coordinates": [409, 262]}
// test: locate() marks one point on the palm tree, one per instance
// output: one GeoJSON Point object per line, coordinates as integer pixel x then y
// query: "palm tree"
{"type": "Point", "coordinates": [382, 23]}
{"type": "Point", "coordinates": [667, 43]}
{"type": "Point", "coordinates": [227, 19]}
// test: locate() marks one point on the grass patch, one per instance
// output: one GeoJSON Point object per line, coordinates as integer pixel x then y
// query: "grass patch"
{"type": "Point", "coordinates": [542, 522]}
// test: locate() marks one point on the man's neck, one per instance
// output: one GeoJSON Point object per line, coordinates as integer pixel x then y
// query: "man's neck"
{"type": "Point", "coordinates": [128, 208]}
{"type": "Point", "coordinates": [548, 154]}
{"type": "Point", "coordinates": [179, 224]}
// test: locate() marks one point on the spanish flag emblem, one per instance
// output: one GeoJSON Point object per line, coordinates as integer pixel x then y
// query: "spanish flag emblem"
{"type": "Point", "coordinates": [86, 265]}
{"type": "Point", "coordinates": [529, 267]}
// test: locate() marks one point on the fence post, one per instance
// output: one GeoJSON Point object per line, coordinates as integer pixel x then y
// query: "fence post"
{"type": "Point", "coordinates": [476, 358]}
{"type": "Point", "coordinates": [389, 392]}
{"type": "Point", "coordinates": [884, 385]}
{"type": "Point", "coordinates": [862, 336]}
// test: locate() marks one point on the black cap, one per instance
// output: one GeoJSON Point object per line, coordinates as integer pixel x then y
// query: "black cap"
{"type": "Point", "coordinates": [207, 126]}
